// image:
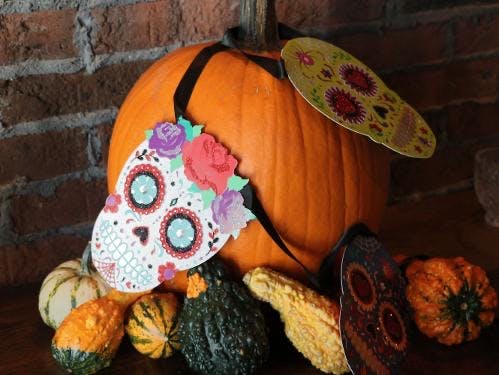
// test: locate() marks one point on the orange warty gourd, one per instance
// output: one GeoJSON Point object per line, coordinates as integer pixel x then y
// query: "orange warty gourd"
{"type": "Point", "coordinates": [313, 177]}
{"type": "Point", "coordinates": [452, 299]}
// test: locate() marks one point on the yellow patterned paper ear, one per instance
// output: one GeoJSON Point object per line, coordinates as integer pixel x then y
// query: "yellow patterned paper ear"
{"type": "Point", "coordinates": [352, 95]}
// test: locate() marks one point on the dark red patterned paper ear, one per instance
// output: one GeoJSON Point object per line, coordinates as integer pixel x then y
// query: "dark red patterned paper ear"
{"type": "Point", "coordinates": [374, 316]}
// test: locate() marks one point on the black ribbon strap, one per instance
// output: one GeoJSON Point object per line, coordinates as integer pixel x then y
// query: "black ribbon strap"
{"type": "Point", "coordinates": [272, 66]}
{"type": "Point", "coordinates": [252, 202]}
{"type": "Point", "coordinates": [186, 85]}
{"type": "Point", "coordinates": [329, 275]}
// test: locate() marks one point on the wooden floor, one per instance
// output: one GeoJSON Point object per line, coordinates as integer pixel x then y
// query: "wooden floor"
{"type": "Point", "coordinates": [444, 226]}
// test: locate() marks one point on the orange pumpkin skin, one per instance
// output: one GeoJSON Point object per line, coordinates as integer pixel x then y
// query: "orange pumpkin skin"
{"type": "Point", "coordinates": [451, 299]}
{"type": "Point", "coordinates": [313, 177]}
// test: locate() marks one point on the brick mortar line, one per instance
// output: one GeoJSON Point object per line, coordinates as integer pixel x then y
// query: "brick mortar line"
{"type": "Point", "coordinates": [463, 185]}
{"type": "Point", "coordinates": [37, 67]}
{"type": "Point", "coordinates": [441, 15]}
{"type": "Point", "coordinates": [44, 188]}
{"type": "Point", "coordinates": [29, 6]}
{"type": "Point", "coordinates": [84, 120]}
{"type": "Point", "coordinates": [440, 63]}
{"type": "Point", "coordinates": [75, 65]}
{"type": "Point", "coordinates": [82, 230]}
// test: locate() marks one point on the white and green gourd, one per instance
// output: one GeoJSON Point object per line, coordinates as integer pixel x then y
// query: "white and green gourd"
{"type": "Point", "coordinates": [69, 285]}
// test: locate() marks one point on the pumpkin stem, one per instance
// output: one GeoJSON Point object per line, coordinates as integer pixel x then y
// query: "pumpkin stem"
{"type": "Point", "coordinates": [86, 260]}
{"type": "Point", "coordinates": [258, 29]}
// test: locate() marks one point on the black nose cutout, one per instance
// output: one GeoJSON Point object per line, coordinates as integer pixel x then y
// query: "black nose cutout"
{"type": "Point", "coordinates": [381, 111]}
{"type": "Point", "coordinates": [142, 233]}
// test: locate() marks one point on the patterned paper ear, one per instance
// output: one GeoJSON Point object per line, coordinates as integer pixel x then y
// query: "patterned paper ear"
{"type": "Point", "coordinates": [352, 95]}
{"type": "Point", "coordinates": [175, 205]}
{"type": "Point", "coordinates": [374, 316]}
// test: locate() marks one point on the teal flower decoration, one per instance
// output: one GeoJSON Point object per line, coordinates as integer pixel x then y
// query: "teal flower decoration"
{"type": "Point", "coordinates": [144, 189]}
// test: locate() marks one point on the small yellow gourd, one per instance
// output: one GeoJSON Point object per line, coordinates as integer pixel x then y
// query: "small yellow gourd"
{"type": "Point", "coordinates": [152, 325]}
{"type": "Point", "coordinates": [311, 321]}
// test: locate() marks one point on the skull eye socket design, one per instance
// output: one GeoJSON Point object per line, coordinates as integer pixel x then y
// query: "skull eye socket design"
{"type": "Point", "coordinates": [361, 286]}
{"type": "Point", "coordinates": [392, 326]}
{"type": "Point", "coordinates": [144, 189]}
{"type": "Point", "coordinates": [181, 233]}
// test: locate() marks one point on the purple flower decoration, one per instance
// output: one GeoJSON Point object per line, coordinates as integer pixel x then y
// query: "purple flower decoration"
{"type": "Point", "coordinates": [229, 212]}
{"type": "Point", "coordinates": [167, 139]}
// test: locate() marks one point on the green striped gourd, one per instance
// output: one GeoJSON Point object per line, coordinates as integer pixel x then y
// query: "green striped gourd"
{"type": "Point", "coordinates": [152, 325]}
{"type": "Point", "coordinates": [68, 286]}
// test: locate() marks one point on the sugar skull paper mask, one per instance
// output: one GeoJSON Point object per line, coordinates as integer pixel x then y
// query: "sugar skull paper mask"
{"type": "Point", "coordinates": [352, 95]}
{"type": "Point", "coordinates": [175, 205]}
{"type": "Point", "coordinates": [374, 316]}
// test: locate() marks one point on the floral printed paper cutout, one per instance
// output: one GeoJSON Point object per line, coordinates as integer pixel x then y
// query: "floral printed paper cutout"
{"type": "Point", "coordinates": [176, 203]}
{"type": "Point", "coordinates": [352, 95]}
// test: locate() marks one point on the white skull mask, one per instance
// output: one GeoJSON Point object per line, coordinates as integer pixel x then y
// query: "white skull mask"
{"type": "Point", "coordinates": [159, 220]}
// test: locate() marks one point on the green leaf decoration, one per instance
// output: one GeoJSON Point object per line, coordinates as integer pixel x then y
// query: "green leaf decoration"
{"type": "Point", "coordinates": [237, 183]}
{"type": "Point", "coordinates": [196, 130]}
{"type": "Point", "coordinates": [176, 163]}
{"type": "Point", "coordinates": [235, 234]}
{"type": "Point", "coordinates": [194, 188]}
{"type": "Point", "coordinates": [207, 196]}
{"type": "Point", "coordinates": [149, 134]}
{"type": "Point", "coordinates": [173, 202]}
{"type": "Point", "coordinates": [250, 215]}
{"type": "Point", "coordinates": [188, 128]}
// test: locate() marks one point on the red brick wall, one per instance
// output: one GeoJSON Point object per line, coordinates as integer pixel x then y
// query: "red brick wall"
{"type": "Point", "coordinates": [66, 66]}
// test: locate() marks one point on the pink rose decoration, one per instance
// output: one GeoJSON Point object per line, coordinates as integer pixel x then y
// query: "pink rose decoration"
{"type": "Point", "coordinates": [112, 203]}
{"type": "Point", "coordinates": [208, 163]}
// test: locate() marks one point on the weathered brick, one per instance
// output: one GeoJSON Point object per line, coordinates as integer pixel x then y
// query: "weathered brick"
{"type": "Point", "coordinates": [455, 82]}
{"type": "Point", "coordinates": [425, 5]}
{"type": "Point", "coordinates": [104, 133]}
{"type": "Point", "coordinates": [207, 19]}
{"type": "Point", "coordinates": [136, 26]}
{"type": "Point", "coordinates": [40, 156]}
{"type": "Point", "coordinates": [449, 165]}
{"type": "Point", "coordinates": [397, 48]}
{"type": "Point", "coordinates": [327, 13]}
{"type": "Point", "coordinates": [35, 97]}
{"type": "Point", "coordinates": [477, 34]}
{"type": "Point", "coordinates": [32, 261]}
{"type": "Point", "coordinates": [39, 35]}
{"type": "Point", "coordinates": [73, 202]}
{"type": "Point", "coordinates": [473, 120]}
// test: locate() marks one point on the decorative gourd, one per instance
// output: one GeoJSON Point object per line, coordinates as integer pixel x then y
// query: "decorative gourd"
{"type": "Point", "coordinates": [311, 321]}
{"type": "Point", "coordinates": [68, 286]}
{"type": "Point", "coordinates": [314, 178]}
{"type": "Point", "coordinates": [451, 298]}
{"type": "Point", "coordinates": [152, 325]}
{"type": "Point", "coordinates": [89, 337]}
{"type": "Point", "coordinates": [222, 330]}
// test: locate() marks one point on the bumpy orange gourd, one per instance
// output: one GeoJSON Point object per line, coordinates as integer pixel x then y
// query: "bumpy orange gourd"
{"type": "Point", "coordinates": [89, 337]}
{"type": "Point", "coordinates": [313, 177]}
{"type": "Point", "coordinates": [451, 298]}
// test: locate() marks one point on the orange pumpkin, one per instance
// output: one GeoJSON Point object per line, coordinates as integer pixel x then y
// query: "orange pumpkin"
{"type": "Point", "coordinates": [313, 177]}
{"type": "Point", "coordinates": [451, 298]}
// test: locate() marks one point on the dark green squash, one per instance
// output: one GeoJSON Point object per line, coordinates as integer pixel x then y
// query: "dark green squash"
{"type": "Point", "coordinates": [222, 330]}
